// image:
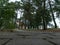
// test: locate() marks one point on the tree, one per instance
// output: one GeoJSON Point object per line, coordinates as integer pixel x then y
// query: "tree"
{"type": "Point", "coordinates": [52, 14]}
{"type": "Point", "coordinates": [28, 13]}
{"type": "Point", "coordinates": [57, 8]}
{"type": "Point", "coordinates": [42, 13]}
{"type": "Point", "coordinates": [6, 15]}
{"type": "Point", "coordinates": [2, 3]}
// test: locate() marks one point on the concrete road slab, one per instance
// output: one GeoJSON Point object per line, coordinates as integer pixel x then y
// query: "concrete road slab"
{"type": "Point", "coordinates": [29, 42]}
{"type": "Point", "coordinates": [30, 38]}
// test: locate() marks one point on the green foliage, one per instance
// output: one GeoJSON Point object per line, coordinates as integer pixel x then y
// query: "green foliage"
{"type": "Point", "coordinates": [28, 11]}
{"type": "Point", "coordinates": [36, 19]}
{"type": "Point", "coordinates": [37, 12]}
{"type": "Point", "coordinates": [10, 26]}
{"type": "Point", "coordinates": [57, 8]}
{"type": "Point", "coordinates": [6, 15]}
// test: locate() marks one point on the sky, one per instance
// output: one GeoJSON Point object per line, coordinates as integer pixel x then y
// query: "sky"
{"type": "Point", "coordinates": [20, 15]}
{"type": "Point", "coordinates": [15, 0]}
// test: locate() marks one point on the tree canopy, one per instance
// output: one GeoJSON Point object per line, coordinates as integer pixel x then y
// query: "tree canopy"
{"type": "Point", "coordinates": [35, 13]}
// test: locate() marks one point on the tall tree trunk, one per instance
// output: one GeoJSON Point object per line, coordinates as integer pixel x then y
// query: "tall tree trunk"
{"type": "Point", "coordinates": [25, 24]}
{"type": "Point", "coordinates": [44, 22]}
{"type": "Point", "coordinates": [52, 14]}
{"type": "Point", "coordinates": [15, 20]}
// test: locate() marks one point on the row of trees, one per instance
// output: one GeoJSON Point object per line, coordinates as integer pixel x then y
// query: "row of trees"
{"type": "Point", "coordinates": [40, 12]}
{"type": "Point", "coordinates": [8, 14]}
{"type": "Point", "coordinates": [37, 12]}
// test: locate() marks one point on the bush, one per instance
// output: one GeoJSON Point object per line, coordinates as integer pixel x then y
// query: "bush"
{"type": "Point", "coordinates": [9, 26]}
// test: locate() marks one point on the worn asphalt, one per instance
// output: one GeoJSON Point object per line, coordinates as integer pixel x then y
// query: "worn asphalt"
{"type": "Point", "coordinates": [29, 38]}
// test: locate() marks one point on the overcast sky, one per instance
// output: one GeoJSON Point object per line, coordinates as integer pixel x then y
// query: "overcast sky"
{"type": "Point", "coordinates": [15, 0]}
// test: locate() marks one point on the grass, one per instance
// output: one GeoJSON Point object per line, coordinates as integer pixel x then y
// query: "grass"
{"type": "Point", "coordinates": [36, 30]}
{"type": "Point", "coordinates": [7, 30]}
{"type": "Point", "coordinates": [40, 30]}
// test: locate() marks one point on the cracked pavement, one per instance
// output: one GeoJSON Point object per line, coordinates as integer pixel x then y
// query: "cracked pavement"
{"type": "Point", "coordinates": [29, 38]}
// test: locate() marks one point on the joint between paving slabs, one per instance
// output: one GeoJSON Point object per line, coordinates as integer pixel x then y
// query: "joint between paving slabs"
{"type": "Point", "coordinates": [9, 39]}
